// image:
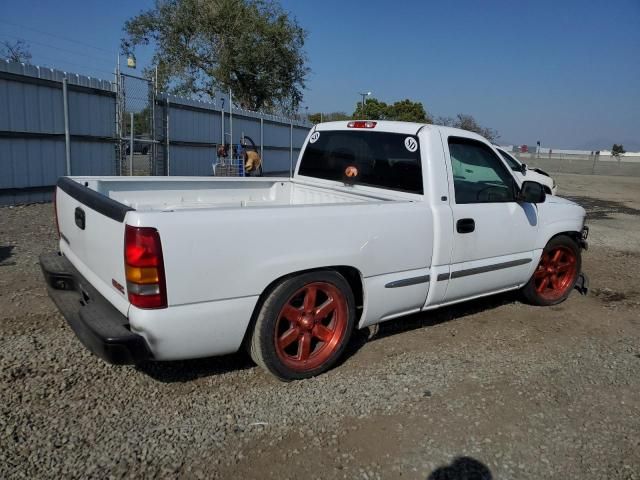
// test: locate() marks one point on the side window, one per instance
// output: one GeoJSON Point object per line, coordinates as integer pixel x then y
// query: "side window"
{"type": "Point", "coordinates": [479, 176]}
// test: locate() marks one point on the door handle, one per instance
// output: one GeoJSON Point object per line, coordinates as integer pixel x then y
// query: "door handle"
{"type": "Point", "coordinates": [465, 225]}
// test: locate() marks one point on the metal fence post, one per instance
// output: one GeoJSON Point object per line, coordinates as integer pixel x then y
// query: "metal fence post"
{"type": "Point", "coordinates": [222, 126]}
{"type": "Point", "coordinates": [262, 142]}
{"type": "Point", "coordinates": [154, 157]}
{"type": "Point", "coordinates": [291, 149]}
{"type": "Point", "coordinates": [118, 111]}
{"type": "Point", "coordinates": [168, 144]}
{"type": "Point", "coordinates": [230, 126]}
{"type": "Point", "coordinates": [67, 136]}
{"type": "Point", "coordinates": [131, 145]}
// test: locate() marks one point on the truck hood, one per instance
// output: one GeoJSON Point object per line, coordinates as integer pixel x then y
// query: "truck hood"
{"type": "Point", "coordinates": [561, 209]}
{"type": "Point", "coordinates": [560, 200]}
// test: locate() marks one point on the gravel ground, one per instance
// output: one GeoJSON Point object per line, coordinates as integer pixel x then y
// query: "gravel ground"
{"type": "Point", "coordinates": [493, 388]}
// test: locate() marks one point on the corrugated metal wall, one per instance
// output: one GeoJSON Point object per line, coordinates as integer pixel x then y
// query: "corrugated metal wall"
{"type": "Point", "coordinates": [32, 143]}
{"type": "Point", "coordinates": [195, 132]}
{"type": "Point", "coordinates": [32, 136]}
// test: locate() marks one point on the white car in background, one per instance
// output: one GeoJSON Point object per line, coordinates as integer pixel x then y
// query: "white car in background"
{"type": "Point", "coordinates": [534, 174]}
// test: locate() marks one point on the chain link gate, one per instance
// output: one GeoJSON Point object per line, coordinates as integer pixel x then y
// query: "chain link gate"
{"type": "Point", "coordinates": [135, 122]}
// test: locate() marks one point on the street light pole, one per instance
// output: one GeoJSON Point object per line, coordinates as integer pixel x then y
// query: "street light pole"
{"type": "Point", "coordinates": [364, 94]}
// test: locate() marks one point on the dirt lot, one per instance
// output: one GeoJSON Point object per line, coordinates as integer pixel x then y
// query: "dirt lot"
{"type": "Point", "coordinates": [493, 388]}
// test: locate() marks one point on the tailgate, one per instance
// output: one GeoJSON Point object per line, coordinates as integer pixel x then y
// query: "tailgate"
{"type": "Point", "coordinates": [92, 238]}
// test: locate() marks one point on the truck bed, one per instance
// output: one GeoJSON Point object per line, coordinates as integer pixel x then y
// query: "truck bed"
{"type": "Point", "coordinates": [184, 193]}
{"type": "Point", "coordinates": [93, 212]}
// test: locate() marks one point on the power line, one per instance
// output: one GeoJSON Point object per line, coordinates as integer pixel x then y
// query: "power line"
{"type": "Point", "coordinates": [55, 61]}
{"type": "Point", "coordinates": [35, 42]}
{"type": "Point", "coordinates": [66, 39]}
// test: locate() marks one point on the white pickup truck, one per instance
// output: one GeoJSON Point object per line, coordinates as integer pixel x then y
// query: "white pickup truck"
{"type": "Point", "coordinates": [380, 219]}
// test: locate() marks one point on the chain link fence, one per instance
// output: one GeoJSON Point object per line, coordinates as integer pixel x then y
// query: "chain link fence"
{"type": "Point", "coordinates": [137, 145]}
{"type": "Point", "coordinates": [589, 164]}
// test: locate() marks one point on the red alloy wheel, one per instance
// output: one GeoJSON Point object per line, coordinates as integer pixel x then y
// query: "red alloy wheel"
{"type": "Point", "coordinates": [311, 326]}
{"type": "Point", "coordinates": [555, 273]}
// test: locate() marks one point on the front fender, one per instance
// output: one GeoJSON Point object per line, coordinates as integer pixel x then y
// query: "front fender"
{"type": "Point", "coordinates": [556, 217]}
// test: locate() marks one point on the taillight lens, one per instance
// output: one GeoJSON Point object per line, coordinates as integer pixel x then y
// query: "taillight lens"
{"type": "Point", "coordinates": [55, 210]}
{"type": "Point", "coordinates": [144, 267]}
{"type": "Point", "coordinates": [362, 124]}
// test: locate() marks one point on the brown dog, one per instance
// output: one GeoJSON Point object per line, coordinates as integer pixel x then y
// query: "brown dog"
{"type": "Point", "coordinates": [252, 161]}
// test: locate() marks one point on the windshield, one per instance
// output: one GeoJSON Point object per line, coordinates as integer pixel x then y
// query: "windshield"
{"type": "Point", "coordinates": [513, 163]}
{"type": "Point", "coordinates": [378, 159]}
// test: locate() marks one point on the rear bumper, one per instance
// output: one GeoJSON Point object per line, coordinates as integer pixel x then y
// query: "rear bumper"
{"type": "Point", "coordinates": [99, 326]}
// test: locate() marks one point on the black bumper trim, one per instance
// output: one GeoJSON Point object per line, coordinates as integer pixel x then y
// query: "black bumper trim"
{"type": "Point", "coordinates": [405, 282]}
{"type": "Point", "coordinates": [99, 326]}
{"type": "Point", "coordinates": [94, 200]}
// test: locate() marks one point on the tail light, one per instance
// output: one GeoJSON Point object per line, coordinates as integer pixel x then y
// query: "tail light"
{"type": "Point", "coordinates": [55, 210]}
{"type": "Point", "coordinates": [362, 124]}
{"type": "Point", "coordinates": [144, 267]}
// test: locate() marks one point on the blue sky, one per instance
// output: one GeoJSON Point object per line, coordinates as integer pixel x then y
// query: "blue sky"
{"type": "Point", "coordinates": [565, 72]}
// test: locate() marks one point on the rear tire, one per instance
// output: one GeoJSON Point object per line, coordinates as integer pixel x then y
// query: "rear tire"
{"type": "Point", "coordinates": [304, 325]}
{"type": "Point", "coordinates": [556, 273]}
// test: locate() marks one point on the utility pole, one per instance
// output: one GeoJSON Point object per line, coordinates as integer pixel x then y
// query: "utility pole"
{"type": "Point", "coordinates": [364, 95]}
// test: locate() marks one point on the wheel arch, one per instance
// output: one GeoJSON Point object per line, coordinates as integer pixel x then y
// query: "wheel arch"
{"type": "Point", "coordinates": [352, 275]}
{"type": "Point", "coordinates": [568, 233]}
{"type": "Point", "coordinates": [570, 227]}
{"type": "Point", "coordinates": [573, 234]}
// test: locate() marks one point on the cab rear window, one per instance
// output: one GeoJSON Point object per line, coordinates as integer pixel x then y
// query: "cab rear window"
{"type": "Point", "coordinates": [377, 159]}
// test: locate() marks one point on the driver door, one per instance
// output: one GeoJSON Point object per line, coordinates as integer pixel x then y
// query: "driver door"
{"type": "Point", "coordinates": [493, 237]}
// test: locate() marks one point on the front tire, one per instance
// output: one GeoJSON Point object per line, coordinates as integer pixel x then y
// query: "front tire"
{"type": "Point", "coordinates": [556, 273]}
{"type": "Point", "coordinates": [304, 325]}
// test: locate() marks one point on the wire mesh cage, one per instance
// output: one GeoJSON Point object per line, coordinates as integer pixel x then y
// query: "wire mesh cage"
{"type": "Point", "coordinates": [229, 167]}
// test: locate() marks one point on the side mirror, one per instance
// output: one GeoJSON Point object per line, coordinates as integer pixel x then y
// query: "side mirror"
{"type": "Point", "coordinates": [523, 168]}
{"type": "Point", "coordinates": [532, 192]}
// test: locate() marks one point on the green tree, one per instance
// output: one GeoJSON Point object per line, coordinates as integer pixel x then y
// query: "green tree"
{"type": "Point", "coordinates": [374, 109]}
{"type": "Point", "coordinates": [404, 111]}
{"type": "Point", "coordinates": [617, 150]}
{"type": "Point", "coordinates": [17, 51]}
{"type": "Point", "coordinates": [328, 117]}
{"type": "Point", "coordinates": [468, 122]}
{"type": "Point", "coordinates": [252, 46]}
{"type": "Point", "coordinates": [141, 122]}
{"type": "Point", "coordinates": [408, 111]}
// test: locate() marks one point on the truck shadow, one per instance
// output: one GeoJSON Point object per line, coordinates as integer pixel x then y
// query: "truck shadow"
{"type": "Point", "coordinates": [188, 370]}
{"type": "Point", "coordinates": [182, 371]}
{"type": "Point", "coordinates": [427, 319]}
